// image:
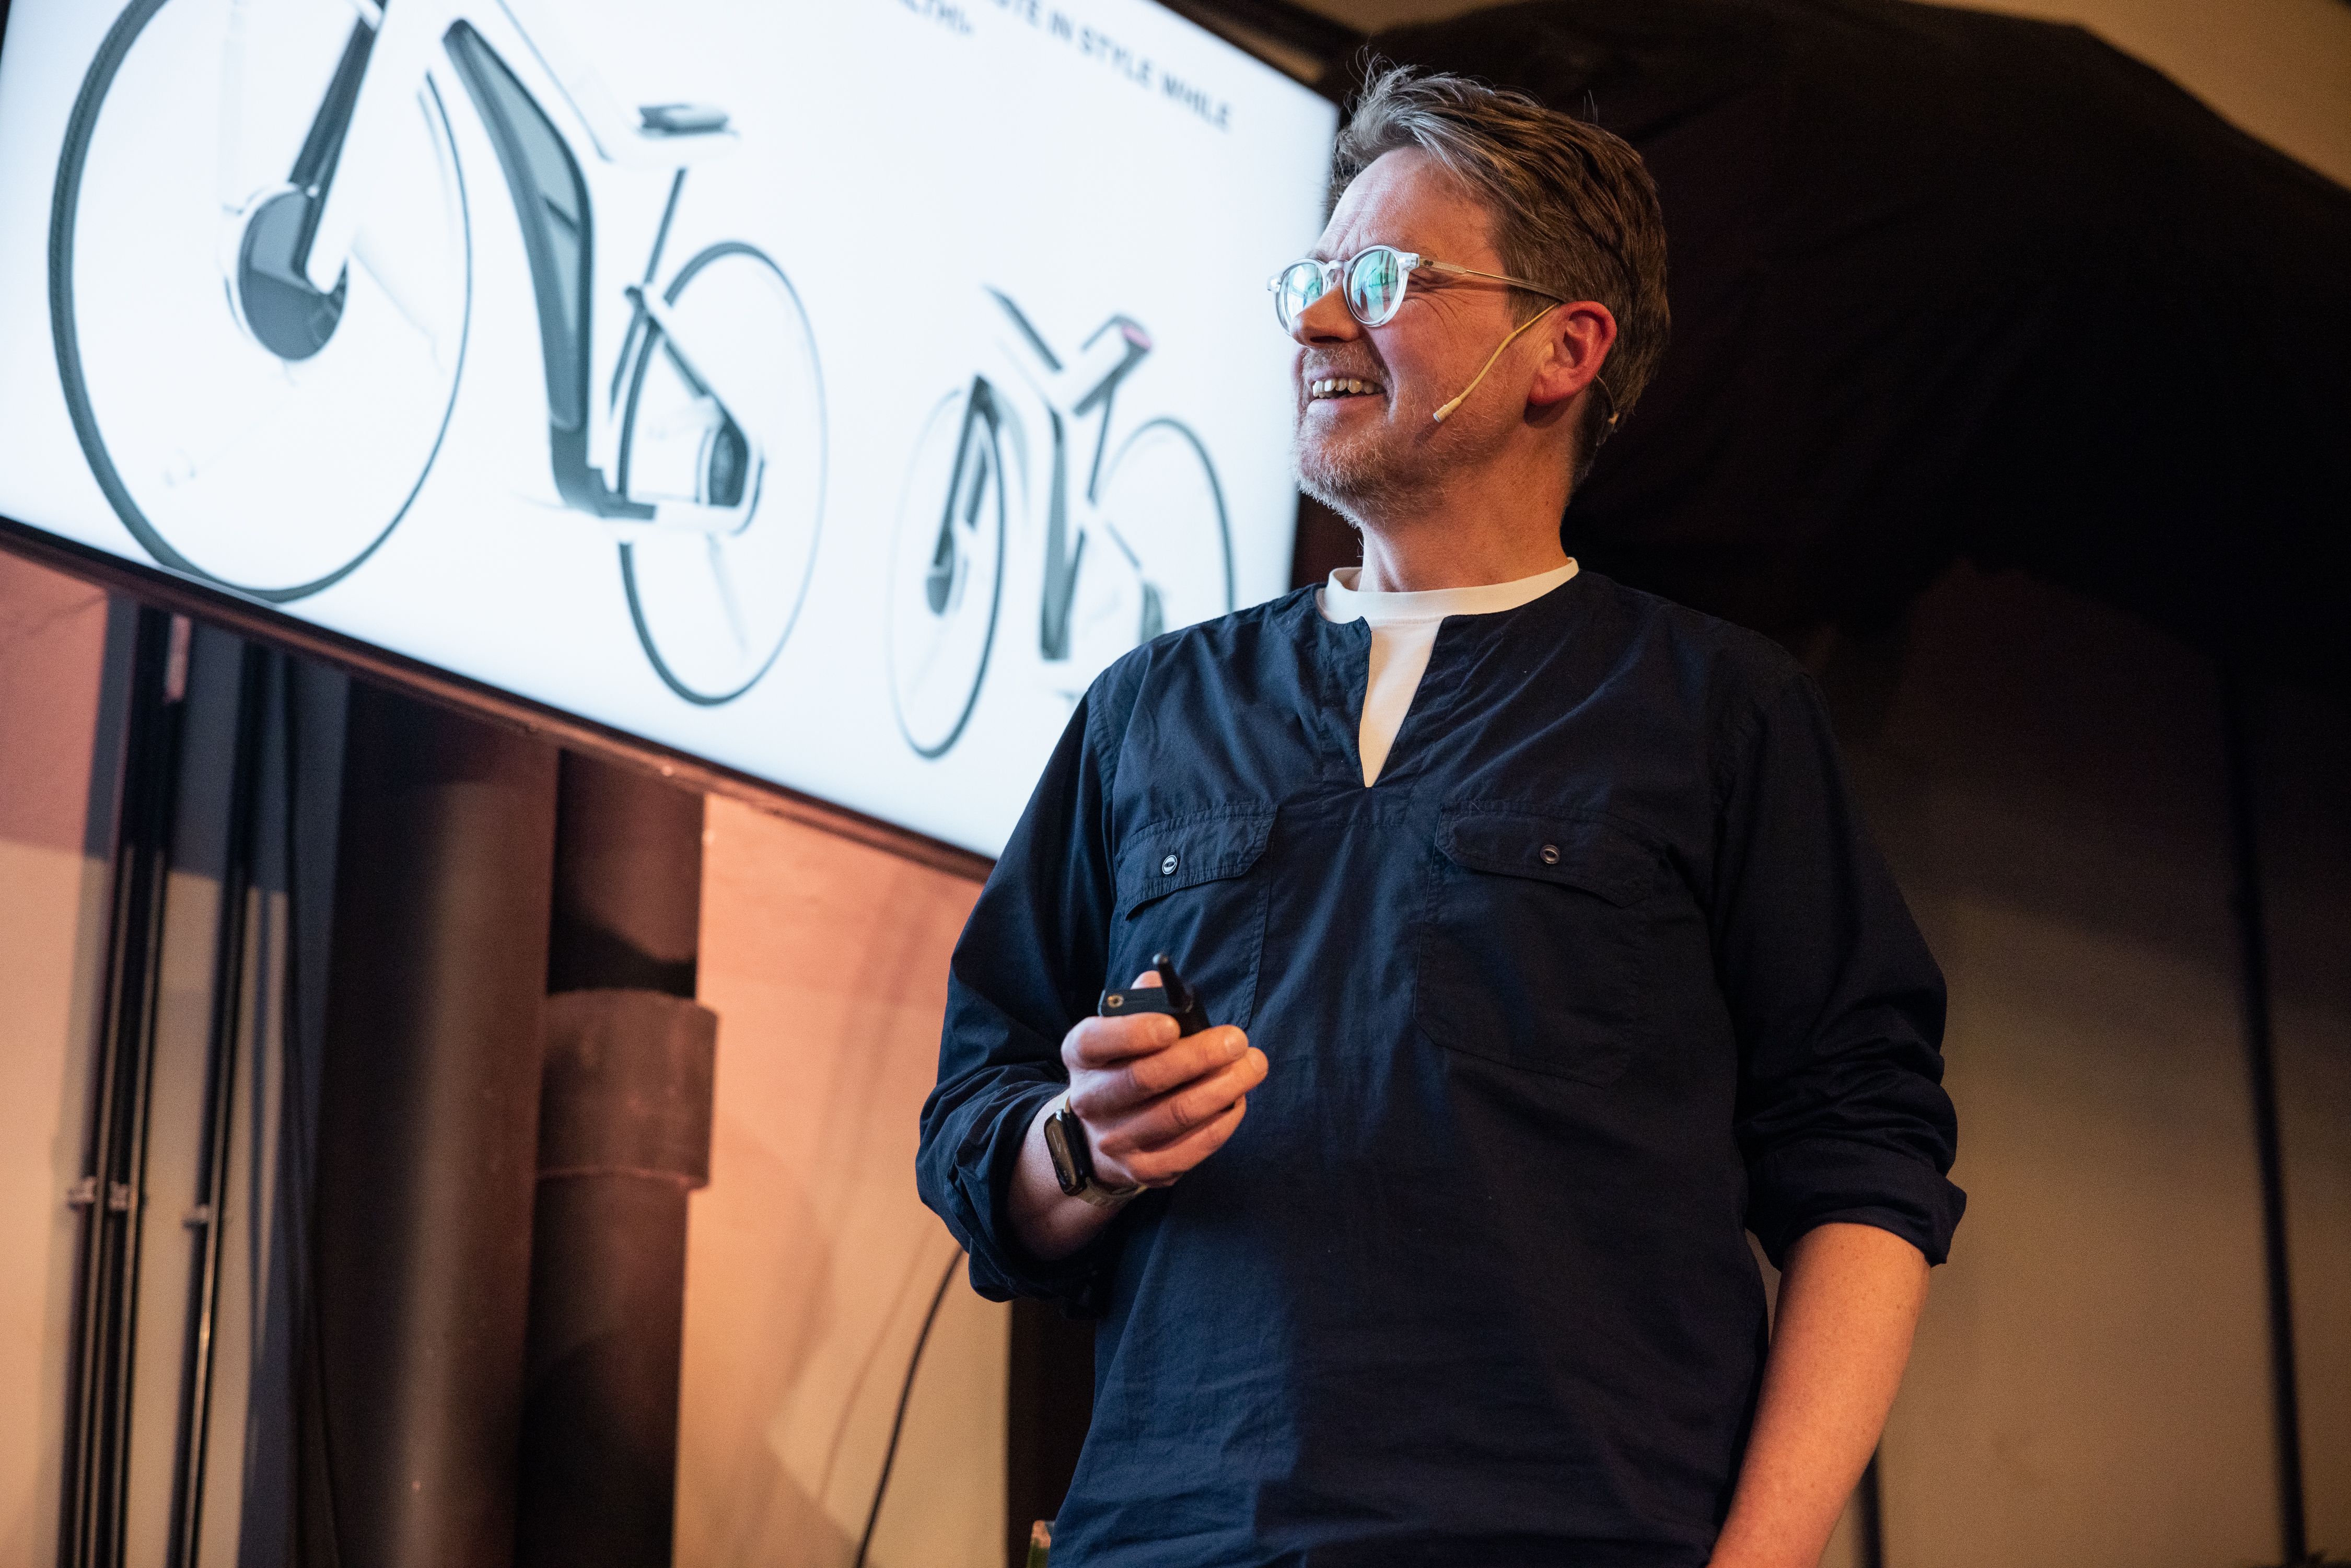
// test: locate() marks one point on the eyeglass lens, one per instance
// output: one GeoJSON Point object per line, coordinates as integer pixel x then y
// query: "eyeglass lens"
{"type": "Point", "coordinates": [1300, 287]}
{"type": "Point", "coordinates": [1375, 285]}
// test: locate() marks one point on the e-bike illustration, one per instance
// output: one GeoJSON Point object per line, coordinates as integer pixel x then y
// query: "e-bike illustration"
{"type": "Point", "coordinates": [261, 278]}
{"type": "Point", "coordinates": [1126, 542]}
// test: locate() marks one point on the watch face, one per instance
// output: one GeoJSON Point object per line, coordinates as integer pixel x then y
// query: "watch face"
{"type": "Point", "coordinates": [1065, 1165]}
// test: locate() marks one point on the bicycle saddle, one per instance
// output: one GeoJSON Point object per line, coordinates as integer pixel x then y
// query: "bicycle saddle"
{"type": "Point", "coordinates": [680, 118]}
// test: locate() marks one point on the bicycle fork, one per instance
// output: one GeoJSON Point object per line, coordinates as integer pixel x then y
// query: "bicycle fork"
{"type": "Point", "coordinates": [976, 456]}
{"type": "Point", "coordinates": [1116, 349]}
{"type": "Point", "coordinates": [1061, 558]}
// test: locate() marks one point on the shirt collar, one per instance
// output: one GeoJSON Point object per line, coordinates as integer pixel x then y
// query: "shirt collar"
{"type": "Point", "coordinates": [1340, 600]}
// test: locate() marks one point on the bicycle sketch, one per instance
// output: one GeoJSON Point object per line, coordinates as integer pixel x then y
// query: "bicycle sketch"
{"type": "Point", "coordinates": [1135, 543]}
{"type": "Point", "coordinates": [261, 280]}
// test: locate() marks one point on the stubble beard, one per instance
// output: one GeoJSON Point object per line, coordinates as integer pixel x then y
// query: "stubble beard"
{"type": "Point", "coordinates": [1361, 479]}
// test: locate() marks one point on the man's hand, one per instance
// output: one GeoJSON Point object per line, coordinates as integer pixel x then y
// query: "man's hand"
{"type": "Point", "coordinates": [1153, 1104]}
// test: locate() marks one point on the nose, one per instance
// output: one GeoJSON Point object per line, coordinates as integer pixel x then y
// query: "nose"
{"type": "Point", "coordinates": [1326, 322]}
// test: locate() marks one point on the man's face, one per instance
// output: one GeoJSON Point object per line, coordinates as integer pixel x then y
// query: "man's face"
{"type": "Point", "coordinates": [1355, 450]}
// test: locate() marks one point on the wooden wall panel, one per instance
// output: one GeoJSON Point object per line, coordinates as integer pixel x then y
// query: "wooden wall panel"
{"type": "Point", "coordinates": [52, 943]}
{"type": "Point", "coordinates": [809, 1258]}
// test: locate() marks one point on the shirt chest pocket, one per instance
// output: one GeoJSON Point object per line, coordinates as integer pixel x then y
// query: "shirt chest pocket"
{"type": "Point", "coordinates": [1533, 949]}
{"type": "Point", "coordinates": [1189, 886]}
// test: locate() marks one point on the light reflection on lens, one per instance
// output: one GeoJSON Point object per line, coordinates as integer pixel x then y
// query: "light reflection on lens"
{"type": "Point", "coordinates": [1374, 284]}
{"type": "Point", "coordinates": [1302, 286]}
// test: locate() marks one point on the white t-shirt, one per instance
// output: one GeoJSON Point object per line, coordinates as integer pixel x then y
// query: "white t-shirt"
{"type": "Point", "coordinates": [1404, 630]}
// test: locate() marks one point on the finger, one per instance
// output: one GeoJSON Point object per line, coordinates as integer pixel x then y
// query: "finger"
{"type": "Point", "coordinates": [1173, 1117]}
{"type": "Point", "coordinates": [1148, 977]}
{"type": "Point", "coordinates": [1170, 1117]}
{"type": "Point", "coordinates": [1106, 1042]}
{"type": "Point", "coordinates": [1160, 1167]}
{"type": "Point", "coordinates": [1105, 1094]}
{"type": "Point", "coordinates": [1193, 1056]}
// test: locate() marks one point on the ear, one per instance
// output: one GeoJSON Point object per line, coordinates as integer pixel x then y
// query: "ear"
{"type": "Point", "coordinates": [1575, 343]}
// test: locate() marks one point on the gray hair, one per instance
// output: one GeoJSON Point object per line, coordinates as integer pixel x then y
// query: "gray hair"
{"type": "Point", "coordinates": [1574, 207]}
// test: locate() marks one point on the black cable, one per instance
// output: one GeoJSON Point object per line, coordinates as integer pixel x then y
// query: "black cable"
{"type": "Point", "coordinates": [905, 1393]}
{"type": "Point", "coordinates": [2237, 743]}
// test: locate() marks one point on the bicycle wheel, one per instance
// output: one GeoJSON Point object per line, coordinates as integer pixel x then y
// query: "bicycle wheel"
{"type": "Point", "coordinates": [946, 570]}
{"type": "Point", "coordinates": [1164, 510]}
{"type": "Point", "coordinates": [713, 609]}
{"type": "Point", "coordinates": [272, 475]}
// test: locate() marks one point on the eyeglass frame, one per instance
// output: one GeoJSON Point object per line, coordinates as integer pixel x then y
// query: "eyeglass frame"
{"type": "Point", "coordinates": [1408, 263]}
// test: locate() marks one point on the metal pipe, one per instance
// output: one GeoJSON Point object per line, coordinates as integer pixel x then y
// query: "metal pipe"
{"type": "Point", "coordinates": [624, 1136]}
{"type": "Point", "coordinates": [428, 1130]}
{"type": "Point", "coordinates": [219, 1101]}
{"type": "Point", "coordinates": [97, 1436]}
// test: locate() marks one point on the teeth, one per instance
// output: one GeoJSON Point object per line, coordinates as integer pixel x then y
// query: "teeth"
{"type": "Point", "coordinates": [1342, 386]}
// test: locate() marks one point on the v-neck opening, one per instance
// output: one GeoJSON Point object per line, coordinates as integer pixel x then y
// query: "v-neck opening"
{"type": "Point", "coordinates": [1436, 689]}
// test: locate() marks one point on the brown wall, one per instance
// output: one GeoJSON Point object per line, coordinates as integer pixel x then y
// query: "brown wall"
{"type": "Point", "coordinates": [52, 903]}
{"type": "Point", "coordinates": [2305, 828]}
{"type": "Point", "coordinates": [2091, 1382]}
{"type": "Point", "coordinates": [810, 1261]}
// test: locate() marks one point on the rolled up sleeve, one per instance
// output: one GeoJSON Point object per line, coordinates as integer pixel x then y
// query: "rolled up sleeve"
{"type": "Point", "coordinates": [1837, 1004]}
{"type": "Point", "coordinates": [1025, 968]}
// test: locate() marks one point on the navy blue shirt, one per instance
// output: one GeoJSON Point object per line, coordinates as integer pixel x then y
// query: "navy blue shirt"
{"type": "Point", "coordinates": [1602, 972]}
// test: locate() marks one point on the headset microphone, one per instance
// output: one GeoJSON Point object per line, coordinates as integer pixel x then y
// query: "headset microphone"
{"type": "Point", "coordinates": [1441, 414]}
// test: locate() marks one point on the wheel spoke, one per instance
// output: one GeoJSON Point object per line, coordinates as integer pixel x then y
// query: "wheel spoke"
{"type": "Point", "coordinates": [366, 252]}
{"type": "Point", "coordinates": [1104, 523]}
{"type": "Point", "coordinates": [718, 555]}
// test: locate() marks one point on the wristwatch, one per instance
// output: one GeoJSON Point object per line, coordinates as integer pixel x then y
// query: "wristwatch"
{"type": "Point", "coordinates": [1073, 1161]}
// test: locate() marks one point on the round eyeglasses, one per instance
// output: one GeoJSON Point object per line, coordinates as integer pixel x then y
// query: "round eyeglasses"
{"type": "Point", "coordinates": [1375, 280]}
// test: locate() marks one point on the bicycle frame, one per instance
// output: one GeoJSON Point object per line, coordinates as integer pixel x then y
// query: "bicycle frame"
{"type": "Point", "coordinates": [1070, 392]}
{"type": "Point", "coordinates": [393, 46]}
{"type": "Point", "coordinates": [390, 51]}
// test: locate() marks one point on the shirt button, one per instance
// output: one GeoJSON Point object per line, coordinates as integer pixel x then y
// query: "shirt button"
{"type": "Point", "coordinates": [1167, 866]}
{"type": "Point", "coordinates": [1550, 854]}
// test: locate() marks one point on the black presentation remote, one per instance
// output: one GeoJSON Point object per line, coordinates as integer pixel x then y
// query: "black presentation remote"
{"type": "Point", "coordinates": [1170, 996]}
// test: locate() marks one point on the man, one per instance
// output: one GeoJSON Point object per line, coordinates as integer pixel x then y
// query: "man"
{"type": "Point", "coordinates": [1547, 949]}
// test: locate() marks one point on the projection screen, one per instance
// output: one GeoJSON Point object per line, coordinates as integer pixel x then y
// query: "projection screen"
{"type": "Point", "coordinates": [829, 390]}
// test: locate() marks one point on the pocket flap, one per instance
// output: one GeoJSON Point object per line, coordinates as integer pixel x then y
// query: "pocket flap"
{"type": "Point", "coordinates": [1580, 851]}
{"type": "Point", "coordinates": [1184, 851]}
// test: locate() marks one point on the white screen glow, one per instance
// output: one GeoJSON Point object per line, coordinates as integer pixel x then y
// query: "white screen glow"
{"type": "Point", "coordinates": [827, 389]}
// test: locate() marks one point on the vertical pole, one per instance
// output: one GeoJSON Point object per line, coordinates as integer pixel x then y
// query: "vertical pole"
{"type": "Point", "coordinates": [428, 1128]}
{"type": "Point", "coordinates": [108, 1193]}
{"type": "Point", "coordinates": [2252, 946]}
{"type": "Point", "coordinates": [228, 1021]}
{"type": "Point", "coordinates": [624, 1136]}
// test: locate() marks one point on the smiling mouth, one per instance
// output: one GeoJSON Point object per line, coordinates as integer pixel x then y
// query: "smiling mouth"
{"type": "Point", "coordinates": [1342, 386]}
